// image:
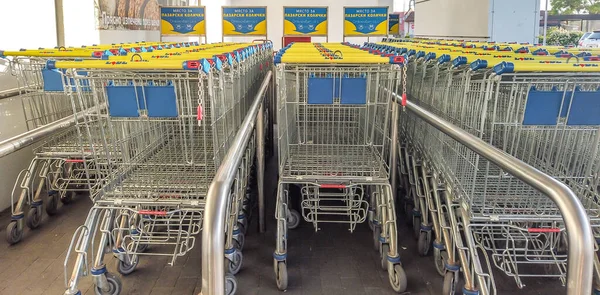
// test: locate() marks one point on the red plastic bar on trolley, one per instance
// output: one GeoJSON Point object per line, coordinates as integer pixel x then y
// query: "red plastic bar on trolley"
{"type": "Point", "coordinates": [332, 185]}
{"type": "Point", "coordinates": [543, 230]}
{"type": "Point", "coordinates": [74, 160]}
{"type": "Point", "coordinates": [151, 212]}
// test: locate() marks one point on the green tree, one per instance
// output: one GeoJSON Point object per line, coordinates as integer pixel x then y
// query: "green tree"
{"type": "Point", "coordinates": [575, 6]}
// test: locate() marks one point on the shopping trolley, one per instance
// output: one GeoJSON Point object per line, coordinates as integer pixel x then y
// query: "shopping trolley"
{"type": "Point", "coordinates": [168, 126]}
{"type": "Point", "coordinates": [485, 217]}
{"type": "Point", "coordinates": [333, 133]}
{"type": "Point", "coordinates": [58, 162]}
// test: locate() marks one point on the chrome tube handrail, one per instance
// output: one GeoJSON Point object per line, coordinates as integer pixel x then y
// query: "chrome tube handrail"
{"type": "Point", "coordinates": [579, 233]}
{"type": "Point", "coordinates": [217, 198]}
{"type": "Point", "coordinates": [28, 138]}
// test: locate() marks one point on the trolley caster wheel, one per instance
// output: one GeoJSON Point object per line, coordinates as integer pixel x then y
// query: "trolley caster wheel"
{"type": "Point", "coordinates": [13, 233]}
{"type": "Point", "coordinates": [240, 241]}
{"type": "Point", "coordinates": [449, 287]}
{"type": "Point", "coordinates": [127, 267]}
{"type": "Point", "coordinates": [234, 266]}
{"type": "Point", "coordinates": [52, 203]}
{"type": "Point", "coordinates": [230, 284]}
{"type": "Point", "coordinates": [243, 226]}
{"type": "Point", "coordinates": [114, 286]}
{"type": "Point", "coordinates": [424, 243]}
{"type": "Point", "coordinates": [416, 225]}
{"type": "Point", "coordinates": [385, 249]}
{"type": "Point", "coordinates": [293, 219]}
{"type": "Point", "coordinates": [141, 248]}
{"type": "Point", "coordinates": [34, 217]}
{"type": "Point", "coordinates": [68, 198]}
{"type": "Point", "coordinates": [282, 276]}
{"type": "Point", "coordinates": [376, 235]}
{"type": "Point", "coordinates": [440, 257]}
{"type": "Point", "coordinates": [397, 278]}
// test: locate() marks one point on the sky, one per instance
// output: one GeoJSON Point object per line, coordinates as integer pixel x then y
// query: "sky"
{"type": "Point", "coordinates": [399, 4]}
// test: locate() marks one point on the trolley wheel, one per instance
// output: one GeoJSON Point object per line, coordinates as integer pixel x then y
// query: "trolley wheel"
{"type": "Point", "coordinates": [439, 258]}
{"type": "Point", "coordinates": [449, 287]}
{"type": "Point", "coordinates": [408, 212]}
{"type": "Point", "coordinates": [34, 217]}
{"type": "Point", "coordinates": [376, 235]}
{"type": "Point", "coordinates": [230, 284]}
{"type": "Point", "coordinates": [243, 225]}
{"type": "Point", "coordinates": [52, 203]}
{"type": "Point", "coordinates": [114, 285]}
{"type": "Point", "coordinates": [68, 198]}
{"type": "Point", "coordinates": [293, 219]}
{"type": "Point", "coordinates": [282, 276]}
{"type": "Point", "coordinates": [397, 278]}
{"type": "Point", "coordinates": [127, 267]}
{"type": "Point", "coordinates": [416, 225]}
{"type": "Point", "coordinates": [142, 247]}
{"type": "Point", "coordinates": [385, 249]}
{"type": "Point", "coordinates": [234, 266]}
{"type": "Point", "coordinates": [13, 233]}
{"type": "Point", "coordinates": [240, 241]}
{"type": "Point", "coordinates": [424, 243]}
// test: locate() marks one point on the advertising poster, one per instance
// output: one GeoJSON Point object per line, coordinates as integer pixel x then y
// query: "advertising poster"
{"type": "Point", "coordinates": [365, 21]}
{"type": "Point", "coordinates": [394, 23]}
{"type": "Point", "coordinates": [305, 21]}
{"type": "Point", "coordinates": [240, 21]}
{"type": "Point", "coordinates": [127, 14]}
{"type": "Point", "coordinates": [182, 21]}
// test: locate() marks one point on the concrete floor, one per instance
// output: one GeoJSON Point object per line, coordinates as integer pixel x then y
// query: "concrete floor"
{"type": "Point", "coordinates": [331, 261]}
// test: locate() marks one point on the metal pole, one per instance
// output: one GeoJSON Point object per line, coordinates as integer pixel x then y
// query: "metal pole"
{"type": "Point", "coordinates": [28, 138]}
{"type": "Point", "coordinates": [579, 233]}
{"type": "Point", "coordinates": [545, 22]}
{"type": "Point", "coordinates": [394, 151]}
{"type": "Point", "coordinates": [260, 165]}
{"type": "Point", "coordinates": [60, 23]}
{"type": "Point", "coordinates": [217, 199]}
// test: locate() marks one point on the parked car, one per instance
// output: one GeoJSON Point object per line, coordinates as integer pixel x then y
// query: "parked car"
{"type": "Point", "coordinates": [592, 40]}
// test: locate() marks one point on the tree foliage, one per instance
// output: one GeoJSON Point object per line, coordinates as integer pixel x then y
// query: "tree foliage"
{"type": "Point", "coordinates": [575, 6]}
{"type": "Point", "coordinates": [561, 37]}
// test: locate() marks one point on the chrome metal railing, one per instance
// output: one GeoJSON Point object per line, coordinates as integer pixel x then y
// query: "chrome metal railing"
{"type": "Point", "coordinates": [579, 233]}
{"type": "Point", "coordinates": [217, 200]}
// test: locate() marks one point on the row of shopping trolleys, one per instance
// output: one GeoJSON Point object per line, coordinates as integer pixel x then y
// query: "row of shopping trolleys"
{"type": "Point", "coordinates": [335, 118]}
{"type": "Point", "coordinates": [153, 122]}
{"type": "Point", "coordinates": [538, 104]}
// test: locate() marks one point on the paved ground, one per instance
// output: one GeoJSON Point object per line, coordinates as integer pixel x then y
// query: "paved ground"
{"type": "Point", "coordinates": [328, 262]}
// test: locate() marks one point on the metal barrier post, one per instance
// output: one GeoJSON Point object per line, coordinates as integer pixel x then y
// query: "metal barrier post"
{"type": "Point", "coordinates": [217, 198]}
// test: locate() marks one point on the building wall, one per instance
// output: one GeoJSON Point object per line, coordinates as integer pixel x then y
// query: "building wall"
{"type": "Point", "coordinates": [464, 19]}
{"type": "Point", "coordinates": [514, 20]}
{"type": "Point", "coordinates": [336, 16]}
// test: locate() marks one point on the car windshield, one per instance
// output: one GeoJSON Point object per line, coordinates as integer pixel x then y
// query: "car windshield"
{"type": "Point", "coordinates": [595, 35]}
{"type": "Point", "coordinates": [585, 35]}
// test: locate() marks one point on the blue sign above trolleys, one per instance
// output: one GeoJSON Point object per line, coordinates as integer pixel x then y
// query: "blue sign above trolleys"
{"type": "Point", "coordinates": [187, 21]}
{"type": "Point", "coordinates": [305, 21]}
{"type": "Point", "coordinates": [365, 21]}
{"type": "Point", "coordinates": [244, 21]}
{"type": "Point", "coordinates": [394, 24]}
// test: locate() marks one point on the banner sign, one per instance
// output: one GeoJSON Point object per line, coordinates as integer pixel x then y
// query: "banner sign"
{"type": "Point", "coordinates": [305, 21]}
{"type": "Point", "coordinates": [182, 21]}
{"type": "Point", "coordinates": [365, 21]}
{"type": "Point", "coordinates": [394, 23]}
{"type": "Point", "coordinates": [244, 21]}
{"type": "Point", "coordinates": [127, 15]}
